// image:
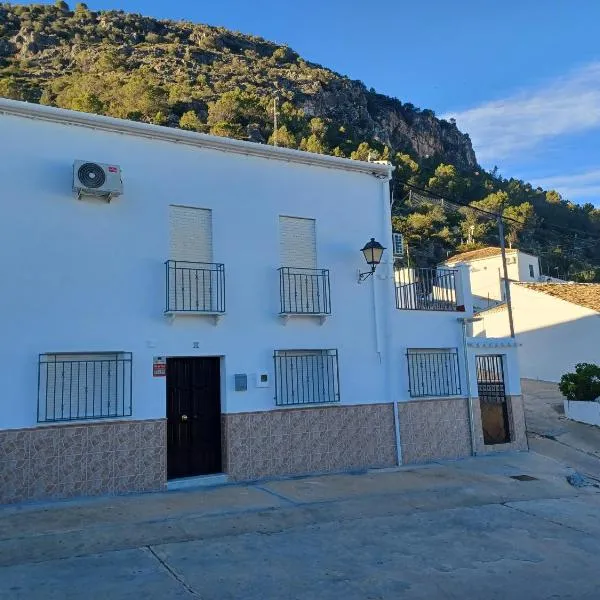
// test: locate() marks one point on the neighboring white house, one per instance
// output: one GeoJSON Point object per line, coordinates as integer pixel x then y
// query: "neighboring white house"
{"type": "Point", "coordinates": [557, 326]}
{"type": "Point", "coordinates": [209, 319]}
{"type": "Point", "coordinates": [487, 275]}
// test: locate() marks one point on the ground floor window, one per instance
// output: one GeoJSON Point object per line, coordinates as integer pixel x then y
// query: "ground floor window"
{"type": "Point", "coordinates": [306, 377]}
{"type": "Point", "coordinates": [433, 372]}
{"type": "Point", "coordinates": [84, 386]}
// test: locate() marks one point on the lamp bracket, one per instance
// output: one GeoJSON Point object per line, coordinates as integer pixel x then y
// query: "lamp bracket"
{"type": "Point", "coordinates": [365, 275]}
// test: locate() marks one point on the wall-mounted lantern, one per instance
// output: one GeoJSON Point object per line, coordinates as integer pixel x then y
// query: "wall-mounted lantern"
{"type": "Point", "coordinates": [372, 252]}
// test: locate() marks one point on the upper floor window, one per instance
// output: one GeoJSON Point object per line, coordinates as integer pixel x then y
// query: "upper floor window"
{"type": "Point", "coordinates": [195, 284]}
{"type": "Point", "coordinates": [303, 288]}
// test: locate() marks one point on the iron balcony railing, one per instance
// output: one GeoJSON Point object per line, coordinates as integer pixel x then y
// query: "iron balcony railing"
{"type": "Point", "coordinates": [80, 386]}
{"type": "Point", "coordinates": [195, 287]}
{"type": "Point", "coordinates": [426, 289]}
{"type": "Point", "coordinates": [304, 291]}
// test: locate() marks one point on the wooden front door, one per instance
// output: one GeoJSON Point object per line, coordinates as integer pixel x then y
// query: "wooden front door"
{"type": "Point", "coordinates": [193, 416]}
{"type": "Point", "coordinates": [492, 400]}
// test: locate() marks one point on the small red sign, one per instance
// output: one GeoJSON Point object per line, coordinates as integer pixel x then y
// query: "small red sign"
{"type": "Point", "coordinates": [159, 366]}
{"type": "Point", "coordinates": [113, 169]}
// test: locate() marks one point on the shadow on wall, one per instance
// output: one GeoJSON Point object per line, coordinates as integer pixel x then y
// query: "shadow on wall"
{"type": "Point", "coordinates": [549, 352]}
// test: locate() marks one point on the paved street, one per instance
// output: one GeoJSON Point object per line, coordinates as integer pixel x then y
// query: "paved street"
{"type": "Point", "coordinates": [465, 529]}
{"type": "Point", "coordinates": [550, 433]}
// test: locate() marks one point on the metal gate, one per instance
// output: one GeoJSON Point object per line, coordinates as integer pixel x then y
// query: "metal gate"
{"type": "Point", "coordinates": [492, 399]}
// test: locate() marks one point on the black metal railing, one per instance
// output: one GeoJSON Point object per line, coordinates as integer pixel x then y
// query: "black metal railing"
{"type": "Point", "coordinates": [195, 287]}
{"type": "Point", "coordinates": [304, 291]}
{"type": "Point", "coordinates": [78, 386]}
{"type": "Point", "coordinates": [495, 420]}
{"type": "Point", "coordinates": [490, 379]}
{"type": "Point", "coordinates": [306, 377]}
{"type": "Point", "coordinates": [433, 372]}
{"type": "Point", "coordinates": [426, 289]}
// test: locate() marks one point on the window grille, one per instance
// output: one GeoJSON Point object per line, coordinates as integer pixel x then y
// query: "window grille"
{"type": "Point", "coordinates": [81, 386]}
{"type": "Point", "coordinates": [433, 372]}
{"type": "Point", "coordinates": [306, 377]}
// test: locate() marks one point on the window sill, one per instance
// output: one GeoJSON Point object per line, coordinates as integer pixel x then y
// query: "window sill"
{"type": "Point", "coordinates": [216, 316]}
{"type": "Point", "coordinates": [321, 317]}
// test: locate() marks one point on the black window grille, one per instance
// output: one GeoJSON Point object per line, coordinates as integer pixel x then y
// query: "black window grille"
{"type": "Point", "coordinates": [490, 379]}
{"type": "Point", "coordinates": [306, 377]}
{"type": "Point", "coordinates": [433, 372]}
{"type": "Point", "coordinates": [426, 289]}
{"type": "Point", "coordinates": [304, 291]}
{"type": "Point", "coordinates": [75, 387]}
{"type": "Point", "coordinates": [195, 287]}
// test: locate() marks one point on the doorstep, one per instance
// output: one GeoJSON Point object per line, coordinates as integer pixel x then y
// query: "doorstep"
{"type": "Point", "coordinates": [195, 482]}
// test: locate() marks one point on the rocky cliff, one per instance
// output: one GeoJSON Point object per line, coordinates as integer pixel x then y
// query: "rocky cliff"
{"type": "Point", "coordinates": [48, 53]}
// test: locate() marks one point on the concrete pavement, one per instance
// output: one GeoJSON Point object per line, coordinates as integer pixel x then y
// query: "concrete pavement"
{"type": "Point", "coordinates": [465, 529]}
{"type": "Point", "coordinates": [550, 433]}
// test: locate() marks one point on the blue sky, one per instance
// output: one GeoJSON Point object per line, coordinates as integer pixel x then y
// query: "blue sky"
{"type": "Point", "coordinates": [522, 77]}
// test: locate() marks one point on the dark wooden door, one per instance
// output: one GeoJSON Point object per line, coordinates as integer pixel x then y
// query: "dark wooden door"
{"type": "Point", "coordinates": [492, 400]}
{"type": "Point", "coordinates": [193, 416]}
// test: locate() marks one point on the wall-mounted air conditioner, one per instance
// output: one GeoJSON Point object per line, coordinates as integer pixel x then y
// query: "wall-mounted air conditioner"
{"type": "Point", "coordinates": [96, 179]}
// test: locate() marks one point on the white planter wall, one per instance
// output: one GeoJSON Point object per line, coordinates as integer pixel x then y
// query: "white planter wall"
{"type": "Point", "coordinates": [584, 412]}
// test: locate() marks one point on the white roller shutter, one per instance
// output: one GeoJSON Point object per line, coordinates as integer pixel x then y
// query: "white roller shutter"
{"type": "Point", "coordinates": [298, 242]}
{"type": "Point", "coordinates": [190, 234]}
{"type": "Point", "coordinates": [192, 287]}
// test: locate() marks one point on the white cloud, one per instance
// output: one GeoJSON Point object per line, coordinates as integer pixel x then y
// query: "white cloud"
{"type": "Point", "coordinates": [580, 185]}
{"type": "Point", "coordinates": [519, 123]}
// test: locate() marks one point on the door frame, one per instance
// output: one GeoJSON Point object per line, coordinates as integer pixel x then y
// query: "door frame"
{"type": "Point", "coordinates": [221, 391]}
{"type": "Point", "coordinates": [498, 370]}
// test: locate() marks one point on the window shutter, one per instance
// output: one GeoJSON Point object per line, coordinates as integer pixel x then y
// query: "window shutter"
{"type": "Point", "coordinates": [298, 242]}
{"type": "Point", "coordinates": [190, 234]}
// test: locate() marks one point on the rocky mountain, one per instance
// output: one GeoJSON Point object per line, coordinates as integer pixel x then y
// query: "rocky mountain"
{"type": "Point", "coordinates": [43, 50]}
{"type": "Point", "coordinates": [210, 79]}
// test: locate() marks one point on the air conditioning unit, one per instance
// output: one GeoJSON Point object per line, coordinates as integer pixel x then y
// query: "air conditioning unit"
{"type": "Point", "coordinates": [397, 245]}
{"type": "Point", "coordinates": [96, 179]}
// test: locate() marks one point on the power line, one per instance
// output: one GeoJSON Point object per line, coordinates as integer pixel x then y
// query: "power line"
{"type": "Point", "coordinates": [442, 201]}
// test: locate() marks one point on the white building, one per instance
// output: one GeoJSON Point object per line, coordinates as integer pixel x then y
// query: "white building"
{"type": "Point", "coordinates": [209, 319]}
{"type": "Point", "coordinates": [557, 326]}
{"type": "Point", "coordinates": [487, 275]}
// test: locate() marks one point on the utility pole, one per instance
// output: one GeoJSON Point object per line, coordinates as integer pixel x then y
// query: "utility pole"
{"type": "Point", "coordinates": [471, 234]}
{"type": "Point", "coordinates": [275, 121]}
{"type": "Point", "coordinates": [505, 269]}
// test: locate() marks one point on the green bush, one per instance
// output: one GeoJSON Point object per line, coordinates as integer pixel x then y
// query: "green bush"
{"type": "Point", "coordinates": [582, 385]}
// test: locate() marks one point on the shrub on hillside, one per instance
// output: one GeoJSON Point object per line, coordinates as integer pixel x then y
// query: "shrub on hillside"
{"type": "Point", "coordinates": [582, 385]}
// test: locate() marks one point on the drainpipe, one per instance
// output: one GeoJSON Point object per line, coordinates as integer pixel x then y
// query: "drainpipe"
{"type": "Point", "coordinates": [389, 309]}
{"type": "Point", "coordinates": [464, 321]}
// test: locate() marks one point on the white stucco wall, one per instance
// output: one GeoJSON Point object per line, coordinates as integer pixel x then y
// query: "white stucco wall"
{"type": "Point", "coordinates": [554, 335]}
{"type": "Point", "coordinates": [523, 262]}
{"type": "Point", "coordinates": [487, 275]}
{"type": "Point", "coordinates": [90, 276]}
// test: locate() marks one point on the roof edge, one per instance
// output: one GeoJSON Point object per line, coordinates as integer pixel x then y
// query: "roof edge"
{"type": "Point", "coordinates": [497, 307]}
{"type": "Point", "coordinates": [112, 124]}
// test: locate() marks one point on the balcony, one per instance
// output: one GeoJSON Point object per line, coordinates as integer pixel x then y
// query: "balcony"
{"type": "Point", "coordinates": [427, 289]}
{"type": "Point", "coordinates": [304, 292]}
{"type": "Point", "coordinates": [195, 288]}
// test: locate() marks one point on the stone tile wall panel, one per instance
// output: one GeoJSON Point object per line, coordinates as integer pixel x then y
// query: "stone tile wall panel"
{"type": "Point", "coordinates": [63, 461]}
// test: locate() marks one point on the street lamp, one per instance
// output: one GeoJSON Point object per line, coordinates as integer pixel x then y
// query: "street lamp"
{"type": "Point", "coordinates": [372, 252]}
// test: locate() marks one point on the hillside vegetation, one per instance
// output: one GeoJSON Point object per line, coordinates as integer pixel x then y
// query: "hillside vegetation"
{"type": "Point", "coordinates": [212, 80]}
